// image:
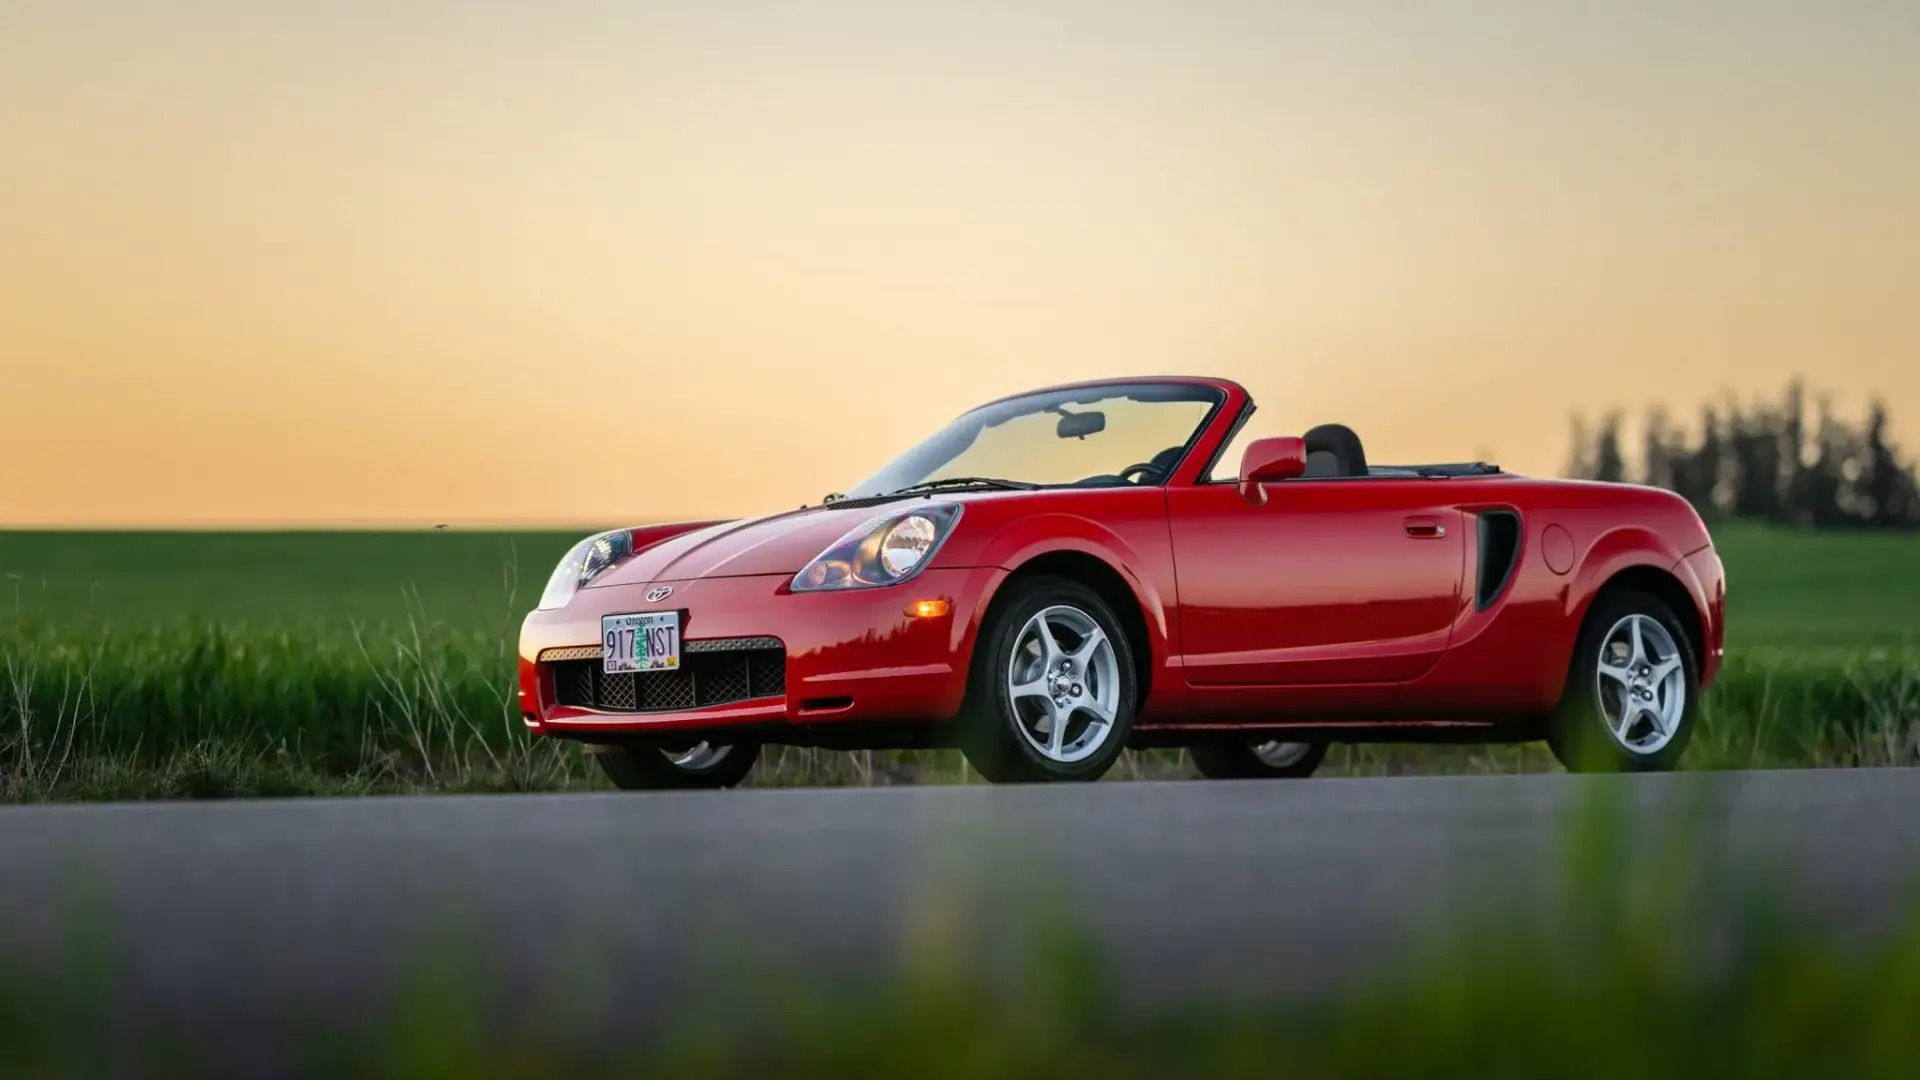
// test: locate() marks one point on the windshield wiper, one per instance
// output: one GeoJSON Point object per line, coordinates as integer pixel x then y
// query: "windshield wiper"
{"type": "Point", "coordinates": [967, 481]}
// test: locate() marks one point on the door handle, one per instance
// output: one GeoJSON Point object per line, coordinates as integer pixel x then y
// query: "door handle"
{"type": "Point", "coordinates": [1423, 527]}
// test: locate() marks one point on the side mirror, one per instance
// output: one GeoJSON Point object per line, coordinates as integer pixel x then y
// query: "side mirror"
{"type": "Point", "coordinates": [1268, 460]}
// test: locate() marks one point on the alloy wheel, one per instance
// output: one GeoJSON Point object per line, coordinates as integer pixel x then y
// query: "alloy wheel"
{"type": "Point", "coordinates": [1641, 684]}
{"type": "Point", "coordinates": [1281, 755]}
{"type": "Point", "coordinates": [1063, 682]}
{"type": "Point", "coordinates": [701, 755]}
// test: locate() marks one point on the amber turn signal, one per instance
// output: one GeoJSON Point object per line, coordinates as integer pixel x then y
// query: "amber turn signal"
{"type": "Point", "coordinates": [928, 609]}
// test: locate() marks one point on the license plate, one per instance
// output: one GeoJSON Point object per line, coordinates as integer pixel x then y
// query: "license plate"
{"type": "Point", "coordinates": [649, 642]}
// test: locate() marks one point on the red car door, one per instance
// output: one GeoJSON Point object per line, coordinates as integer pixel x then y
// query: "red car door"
{"type": "Point", "coordinates": [1328, 582]}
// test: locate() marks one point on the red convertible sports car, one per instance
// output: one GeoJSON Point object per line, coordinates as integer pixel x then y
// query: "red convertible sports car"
{"type": "Point", "coordinates": [1056, 576]}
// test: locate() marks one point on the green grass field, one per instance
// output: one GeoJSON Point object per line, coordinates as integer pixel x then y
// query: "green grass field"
{"type": "Point", "coordinates": [139, 664]}
{"type": "Point", "coordinates": [326, 580]}
{"type": "Point", "coordinates": [1791, 590]}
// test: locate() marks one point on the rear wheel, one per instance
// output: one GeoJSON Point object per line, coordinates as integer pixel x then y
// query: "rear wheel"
{"type": "Point", "coordinates": [702, 765]}
{"type": "Point", "coordinates": [1633, 693]}
{"type": "Point", "coordinates": [1053, 690]}
{"type": "Point", "coordinates": [1258, 758]}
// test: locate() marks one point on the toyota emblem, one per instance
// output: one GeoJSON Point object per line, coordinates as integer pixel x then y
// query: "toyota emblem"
{"type": "Point", "coordinates": [659, 593]}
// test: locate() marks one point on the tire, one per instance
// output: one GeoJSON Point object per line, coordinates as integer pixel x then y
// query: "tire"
{"type": "Point", "coordinates": [646, 768]}
{"type": "Point", "coordinates": [1257, 759]}
{"type": "Point", "coordinates": [1654, 685]}
{"type": "Point", "coordinates": [1009, 737]}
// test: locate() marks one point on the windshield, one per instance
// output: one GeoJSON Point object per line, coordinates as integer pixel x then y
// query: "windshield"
{"type": "Point", "coordinates": [1103, 436]}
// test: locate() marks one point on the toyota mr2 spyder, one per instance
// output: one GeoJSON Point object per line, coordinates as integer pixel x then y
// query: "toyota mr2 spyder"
{"type": "Point", "coordinates": [1057, 576]}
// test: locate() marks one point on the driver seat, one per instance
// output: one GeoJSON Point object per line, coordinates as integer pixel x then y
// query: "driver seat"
{"type": "Point", "coordinates": [1163, 463]}
{"type": "Point", "coordinates": [1333, 450]}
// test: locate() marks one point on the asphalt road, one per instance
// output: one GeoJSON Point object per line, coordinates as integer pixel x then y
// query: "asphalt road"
{"type": "Point", "coordinates": [232, 921]}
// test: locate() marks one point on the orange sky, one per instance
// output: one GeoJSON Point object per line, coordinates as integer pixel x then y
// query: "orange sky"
{"type": "Point", "coordinates": [478, 262]}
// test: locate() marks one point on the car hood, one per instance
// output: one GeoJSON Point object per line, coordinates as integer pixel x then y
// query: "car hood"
{"type": "Point", "coordinates": [781, 544]}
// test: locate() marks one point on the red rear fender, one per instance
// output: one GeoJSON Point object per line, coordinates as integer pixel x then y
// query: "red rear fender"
{"type": "Point", "coordinates": [1615, 551]}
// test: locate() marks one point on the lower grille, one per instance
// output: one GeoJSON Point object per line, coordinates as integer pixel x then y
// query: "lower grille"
{"type": "Point", "coordinates": [710, 673]}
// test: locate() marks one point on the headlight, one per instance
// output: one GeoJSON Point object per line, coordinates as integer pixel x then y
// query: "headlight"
{"type": "Point", "coordinates": [906, 543]}
{"type": "Point", "coordinates": [886, 550]}
{"type": "Point", "coordinates": [584, 563]}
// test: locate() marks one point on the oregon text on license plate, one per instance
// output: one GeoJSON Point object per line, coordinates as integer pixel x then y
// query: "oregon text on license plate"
{"type": "Point", "coordinates": [647, 642]}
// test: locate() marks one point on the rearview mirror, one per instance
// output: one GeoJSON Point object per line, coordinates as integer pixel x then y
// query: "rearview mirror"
{"type": "Point", "coordinates": [1079, 425]}
{"type": "Point", "coordinates": [1269, 460]}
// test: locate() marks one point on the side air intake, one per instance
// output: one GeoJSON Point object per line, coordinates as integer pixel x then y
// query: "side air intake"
{"type": "Point", "coordinates": [1499, 546]}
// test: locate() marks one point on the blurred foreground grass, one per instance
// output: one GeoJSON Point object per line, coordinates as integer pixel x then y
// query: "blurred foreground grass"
{"type": "Point", "coordinates": [138, 665]}
{"type": "Point", "coordinates": [1645, 959]}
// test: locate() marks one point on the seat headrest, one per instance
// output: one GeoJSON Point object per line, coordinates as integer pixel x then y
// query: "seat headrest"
{"type": "Point", "coordinates": [1335, 449]}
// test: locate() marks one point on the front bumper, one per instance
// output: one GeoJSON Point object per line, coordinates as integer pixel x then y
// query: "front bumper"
{"type": "Point", "coordinates": [852, 655]}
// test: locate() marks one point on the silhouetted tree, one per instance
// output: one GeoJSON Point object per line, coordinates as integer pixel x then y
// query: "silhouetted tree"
{"type": "Point", "coordinates": [1579, 459]}
{"type": "Point", "coordinates": [1887, 486]}
{"type": "Point", "coordinates": [1793, 435]}
{"type": "Point", "coordinates": [1659, 465]}
{"type": "Point", "coordinates": [1705, 465]}
{"type": "Point", "coordinates": [1826, 478]}
{"type": "Point", "coordinates": [1758, 462]}
{"type": "Point", "coordinates": [1608, 465]}
{"type": "Point", "coordinates": [1755, 445]}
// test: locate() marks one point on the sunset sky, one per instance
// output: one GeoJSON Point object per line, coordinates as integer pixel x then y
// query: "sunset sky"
{"type": "Point", "coordinates": [478, 262]}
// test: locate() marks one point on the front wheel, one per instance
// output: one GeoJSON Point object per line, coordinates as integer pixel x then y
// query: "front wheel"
{"type": "Point", "coordinates": [703, 765]}
{"type": "Point", "coordinates": [1257, 759]}
{"type": "Point", "coordinates": [1633, 693]}
{"type": "Point", "coordinates": [1053, 688]}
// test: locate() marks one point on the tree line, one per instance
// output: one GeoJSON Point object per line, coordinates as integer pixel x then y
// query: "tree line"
{"type": "Point", "coordinates": [1767, 461]}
